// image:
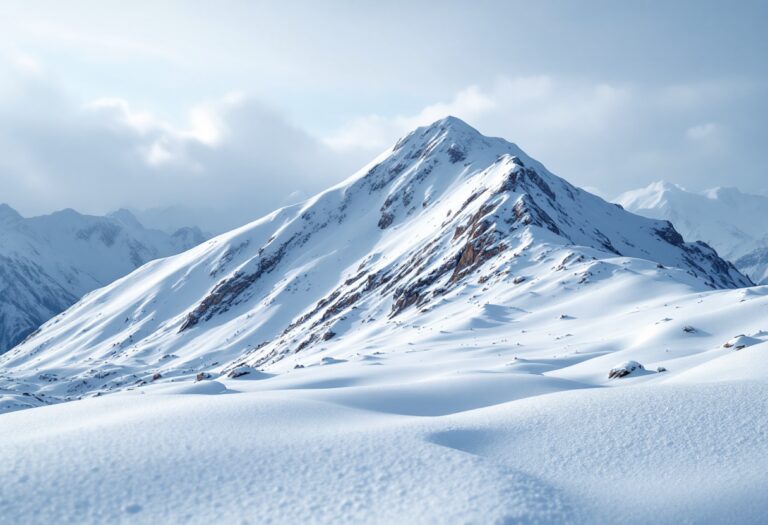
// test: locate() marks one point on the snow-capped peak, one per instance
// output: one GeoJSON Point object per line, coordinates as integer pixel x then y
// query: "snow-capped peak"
{"type": "Point", "coordinates": [127, 218]}
{"type": "Point", "coordinates": [444, 216]}
{"type": "Point", "coordinates": [456, 138]}
{"type": "Point", "coordinates": [731, 221]}
{"type": "Point", "coordinates": [8, 214]}
{"type": "Point", "coordinates": [655, 195]}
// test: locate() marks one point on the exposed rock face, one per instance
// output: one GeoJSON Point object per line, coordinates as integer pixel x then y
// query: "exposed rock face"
{"type": "Point", "coordinates": [240, 371]}
{"type": "Point", "coordinates": [228, 291]}
{"type": "Point", "coordinates": [505, 196]}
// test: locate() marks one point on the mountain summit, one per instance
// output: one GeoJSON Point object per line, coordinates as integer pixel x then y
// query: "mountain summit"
{"type": "Point", "coordinates": [447, 218]}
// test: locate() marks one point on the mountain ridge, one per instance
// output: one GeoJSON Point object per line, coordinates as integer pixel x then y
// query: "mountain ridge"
{"type": "Point", "coordinates": [728, 219]}
{"type": "Point", "coordinates": [442, 212]}
{"type": "Point", "coordinates": [48, 262]}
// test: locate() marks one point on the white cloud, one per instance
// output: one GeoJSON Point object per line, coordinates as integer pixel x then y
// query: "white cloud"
{"type": "Point", "coordinates": [702, 131]}
{"type": "Point", "coordinates": [597, 134]}
{"type": "Point", "coordinates": [708, 138]}
{"type": "Point", "coordinates": [119, 110]}
{"type": "Point", "coordinates": [521, 107]}
{"type": "Point", "coordinates": [239, 158]}
{"type": "Point", "coordinates": [27, 62]}
{"type": "Point", "coordinates": [233, 156]}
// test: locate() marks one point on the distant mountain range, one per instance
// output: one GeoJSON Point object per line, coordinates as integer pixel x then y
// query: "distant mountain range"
{"type": "Point", "coordinates": [732, 222]}
{"type": "Point", "coordinates": [49, 262]}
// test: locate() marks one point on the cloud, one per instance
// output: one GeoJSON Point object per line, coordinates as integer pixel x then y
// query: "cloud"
{"type": "Point", "coordinates": [233, 159]}
{"type": "Point", "coordinates": [702, 131]}
{"type": "Point", "coordinates": [607, 136]}
{"type": "Point", "coordinates": [27, 63]}
{"type": "Point", "coordinates": [521, 107]}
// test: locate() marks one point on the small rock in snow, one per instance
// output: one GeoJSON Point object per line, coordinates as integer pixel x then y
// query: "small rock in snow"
{"type": "Point", "coordinates": [624, 369]}
{"type": "Point", "coordinates": [240, 370]}
{"type": "Point", "coordinates": [741, 341]}
{"type": "Point", "coordinates": [331, 361]}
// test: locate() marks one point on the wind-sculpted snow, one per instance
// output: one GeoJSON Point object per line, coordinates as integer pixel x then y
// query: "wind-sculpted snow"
{"type": "Point", "coordinates": [444, 218]}
{"type": "Point", "coordinates": [484, 412]}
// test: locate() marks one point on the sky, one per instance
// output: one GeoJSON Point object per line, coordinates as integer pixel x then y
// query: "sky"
{"type": "Point", "coordinates": [217, 113]}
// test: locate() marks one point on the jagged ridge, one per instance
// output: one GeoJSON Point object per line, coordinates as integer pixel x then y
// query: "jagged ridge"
{"type": "Point", "coordinates": [444, 207]}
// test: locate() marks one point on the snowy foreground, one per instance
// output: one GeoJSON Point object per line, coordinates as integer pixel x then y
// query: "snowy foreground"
{"type": "Point", "coordinates": [662, 454]}
{"type": "Point", "coordinates": [453, 335]}
{"type": "Point", "coordinates": [428, 433]}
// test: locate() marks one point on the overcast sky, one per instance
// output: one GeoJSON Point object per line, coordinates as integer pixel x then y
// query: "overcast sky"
{"type": "Point", "coordinates": [236, 107]}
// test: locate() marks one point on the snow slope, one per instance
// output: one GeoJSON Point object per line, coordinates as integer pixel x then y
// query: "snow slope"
{"type": "Point", "coordinates": [445, 217]}
{"type": "Point", "coordinates": [429, 341]}
{"type": "Point", "coordinates": [486, 423]}
{"type": "Point", "coordinates": [734, 223]}
{"type": "Point", "coordinates": [48, 262]}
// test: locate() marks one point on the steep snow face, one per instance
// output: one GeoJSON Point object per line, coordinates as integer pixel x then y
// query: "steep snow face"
{"type": "Point", "coordinates": [734, 223]}
{"type": "Point", "coordinates": [48, 262]}
{"type": "Point", "coordinates": [445, 219]}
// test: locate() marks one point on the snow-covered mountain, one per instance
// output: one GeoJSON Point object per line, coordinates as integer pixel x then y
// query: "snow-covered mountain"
{"type": "Point", "coordinates": [445, 219]}
{"type": "Point", "coordinates": [48, 262]}
{"type": "Point", "coordinates": [453, 334]}
{"type": "Point", "coordinates": [733, 222]}
{"type": "Point", "coordinates": [755, 265]}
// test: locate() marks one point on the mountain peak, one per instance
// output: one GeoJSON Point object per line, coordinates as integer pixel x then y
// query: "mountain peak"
{"type": "Point", "coordinates": [662, 186]}
{"type": "Point", "coordinates": [446, 215]}
{"type": "Point", "coordinates": [726, 218]}
{"type": "Point", "coordinates": [8, 214]}
{"type": "Point", "coordinates": [653, 195]}
{"type": "Point", "coordinates": [454, 124]}
{"type": "Point", "coordinates": [126, 217]}
{"type": "Point", "coordinates": [450, 130]}
{"type": "Point", "coordinates": [452, 139]}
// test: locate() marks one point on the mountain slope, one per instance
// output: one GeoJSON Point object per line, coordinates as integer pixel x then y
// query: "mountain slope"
{"type": "Point", "coordinates": [47, 263]}
{"type": "Point", "coordinates": [755, 265]}
{"type": "Point", "coordinates": [734, 223]}
{"type": "Point", "coordinates": [445, 222]}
